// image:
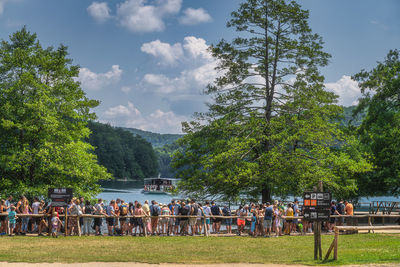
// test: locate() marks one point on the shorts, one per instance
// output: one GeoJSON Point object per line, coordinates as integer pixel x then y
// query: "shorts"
{"type": "Point", "coordinates": [228, 222]}
{"type": "Point", "coordinates": [177, 222]}
{"type": "Point", "coordinates": [216, 220]}
{"type": "Point", "coordinates": [199, 221]}
{"type": "Point", "coordinates": [208, 221]}
{"type": "Point", "coordinates": [267, 223]}
{"type": "Point", "coordinates": [241, 222]}
{"type": "Point", "coordinates": [54, 230]}
{"type": "Point", "coordinates": [98, 221]}
{"type": "Point", "coordinates": [110, 221]}
{"type": "Point", "coordinates": [192, 221]}
{"type": "Point", "coordinates": [332, 220]}
{"type": "Point", "coordinates": [164, 220]}
{"type": "Point", "coordinates": [133, 221]}
{"type": "Point", "coordinates": [3, 218]}
{"type": "Point", "coordinates": [184, 223]}
{"type": "Point", "coordinates": [171, 221]}
{"type": "Point", "coordinates": [11, 225]}
{"type": "Point", "coordinates": [122, 219]}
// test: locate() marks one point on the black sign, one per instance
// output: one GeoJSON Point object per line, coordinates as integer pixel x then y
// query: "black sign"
{"type": "Point", "coordinates": [318, 215]}
{"type": "Point", "coordinates": [319, 200]}
{"type": "Point", "coordinates": [60, 196]}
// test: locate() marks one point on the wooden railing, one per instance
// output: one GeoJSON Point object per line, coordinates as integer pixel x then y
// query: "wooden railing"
{"type": "Point", "coordinates": [369, 216]}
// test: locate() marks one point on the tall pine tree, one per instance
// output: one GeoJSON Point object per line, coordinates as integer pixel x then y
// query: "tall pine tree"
{"type": "Point", "coordinates": [271, 127]}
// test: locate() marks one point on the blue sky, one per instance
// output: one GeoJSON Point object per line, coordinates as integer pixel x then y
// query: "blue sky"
{"type": "Point", "coordinates": [146, 60]}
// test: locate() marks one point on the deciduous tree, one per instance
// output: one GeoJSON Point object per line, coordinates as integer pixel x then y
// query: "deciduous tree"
{"type": "Point", "coordinates": [43, 121]}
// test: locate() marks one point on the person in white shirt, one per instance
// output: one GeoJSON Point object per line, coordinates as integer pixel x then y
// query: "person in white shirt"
{"type": "Point", "coordinates": [35, 210]}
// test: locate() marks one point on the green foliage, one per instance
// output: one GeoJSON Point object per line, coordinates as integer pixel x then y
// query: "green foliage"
{"type": "Point", "coordinates": [380, 130]}
{"type": "Point", "coordinates": [43, 121]}
{"type": "Point", "coordinates": [164, 155]}
{"type": "Point", "coordinates": [272, 128]}
{"type": "Point", "coordinates": [156, 139]}
{"type": "Point", "coordinates": [123, 154]}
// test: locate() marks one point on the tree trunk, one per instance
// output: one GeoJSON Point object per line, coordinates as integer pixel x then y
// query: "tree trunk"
{"type": "Point", "coordinates": [265, 194]}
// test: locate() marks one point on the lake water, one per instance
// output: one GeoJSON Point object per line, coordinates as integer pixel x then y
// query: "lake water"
{"type": "Point", "coordinates": [130, 191]}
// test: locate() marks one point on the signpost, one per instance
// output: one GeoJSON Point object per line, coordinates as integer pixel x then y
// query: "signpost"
{"type": "Point", "coordinates": [60, 198]}
{"type": "Point", "coordinates": [317, 209]}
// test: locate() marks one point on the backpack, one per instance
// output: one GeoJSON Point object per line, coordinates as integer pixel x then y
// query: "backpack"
{"type": "Point", "coordinates": [123, 210]}
{"type": "Point", "coordinates": [215, 210]}
{"type": "Point", "coordinates": [340, 208]}
{"type": "Point", "coordinates": [154, 211]}
{"type": "Point", "coordinates": [195, 209]}
{"type": "Point", "coordinates": [88, 209]}
{"type": "Point", "coordinates": [226, 212]}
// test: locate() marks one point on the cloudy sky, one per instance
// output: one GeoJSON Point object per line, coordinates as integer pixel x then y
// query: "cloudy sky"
{"type": "Point", "coordinates": [146, 60]}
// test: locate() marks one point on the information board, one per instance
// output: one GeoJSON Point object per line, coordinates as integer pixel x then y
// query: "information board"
{"type": "Point", "coordinates": [319, 200]}
{"type": "Point", "coordinates": [318, 215]}
{"type": "Point", "coordinates": [60, 196]}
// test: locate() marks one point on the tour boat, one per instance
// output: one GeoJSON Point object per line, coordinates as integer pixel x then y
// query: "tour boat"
{"type": "Point", "coordinates": [158, 185]}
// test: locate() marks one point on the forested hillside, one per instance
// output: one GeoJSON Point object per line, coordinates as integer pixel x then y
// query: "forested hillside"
{"type": "Point", "coordinates": [156, 139]}
{"type": "Point", "coordinates": [123, 154]}
{"type": "Point", "coordinates": [349, 119]}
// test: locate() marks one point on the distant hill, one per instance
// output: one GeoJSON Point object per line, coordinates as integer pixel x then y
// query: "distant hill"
{"type": "Point", "coordinates": [348, 118]}
{"type": "Point", "coordinates": [126, 156]}
{"type": "Point", "coordinates": [156, 139]}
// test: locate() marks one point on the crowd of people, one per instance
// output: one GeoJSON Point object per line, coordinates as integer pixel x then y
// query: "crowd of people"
{"type": "Point", "coordinates": [178, 217]}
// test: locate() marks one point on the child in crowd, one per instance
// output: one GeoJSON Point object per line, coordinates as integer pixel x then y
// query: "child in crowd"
{"type": "Point", "coordinates": [12, 217]}
{"type": "Point", "coordinates": [55, 224]}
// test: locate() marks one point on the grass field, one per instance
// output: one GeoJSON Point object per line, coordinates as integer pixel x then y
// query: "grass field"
{"type": "Point", "coordinates": [353, 249]}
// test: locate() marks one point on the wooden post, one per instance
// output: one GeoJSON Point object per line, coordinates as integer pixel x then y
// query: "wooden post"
{"type": "Point", "coordinates": [335, 251]}
{"type": "Point", "coordinates": [315, 241]}
{"type": "Point", "coordinates": [79, 225]}
{"type": "Point", "coordinates": [145, 223]}
{"type": "Point", "coordinates": [319, 240]}
{"type": "Point", "coordinates": [66, 222]}
{"type": "Point", "coordinates": [328, 253]}
{"type": "Point", "coordinates": [205, 226]}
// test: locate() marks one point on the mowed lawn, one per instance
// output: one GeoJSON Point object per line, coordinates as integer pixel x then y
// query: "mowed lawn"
{"type": "Point", "coordinates": [353, 249]}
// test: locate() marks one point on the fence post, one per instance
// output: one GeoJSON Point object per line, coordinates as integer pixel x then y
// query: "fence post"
{"type": "Point", "coordinates": [335, 251]}
{"type": "Point", "coordinates": [78, 218]}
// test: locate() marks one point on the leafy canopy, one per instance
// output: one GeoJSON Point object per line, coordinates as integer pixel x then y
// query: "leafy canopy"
{"type": "Point", "coordinates": [271, 128]}
{"type": "Point", "coordinates": [43, 121]}
{"type": "Point", "coordinates": [379, 132]}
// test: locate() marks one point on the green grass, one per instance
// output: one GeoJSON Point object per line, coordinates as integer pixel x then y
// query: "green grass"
{"type": "Point", "coordinates": [353, 249]}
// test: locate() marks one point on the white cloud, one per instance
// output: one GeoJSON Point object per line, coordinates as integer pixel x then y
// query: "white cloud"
{"type": "Point", "coordinates": [198, 68]}
{"type": "Point", "coordinates": [347, 89]}
{"type": "Point", "coordinates": [194, 16]}
{"type": "Point", "coordinates": [197, 48]}
{"type": "Point", "coordinates": [157, 121]}
{"type": "Point", "coordinates": [122, 111]}
{"type": "Point", "coordinates": [95, 81]}
{"type": "Point", "coordinates": [99, 11]}
{"type": "Point", "coordinates": [126, 89]}
{"type": "Point", "coordinates": [137, 16]}
{"type": "Point", "coordinates": [169, 54]}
